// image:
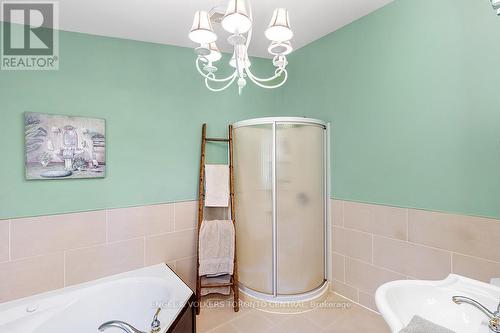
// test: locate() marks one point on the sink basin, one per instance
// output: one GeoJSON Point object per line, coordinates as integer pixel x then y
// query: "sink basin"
{"type": "Point", "coordinates": [399, 301]}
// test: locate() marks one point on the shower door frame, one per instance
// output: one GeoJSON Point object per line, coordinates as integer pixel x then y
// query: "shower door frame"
{"type": "Point", "coordinates": [274, 297]}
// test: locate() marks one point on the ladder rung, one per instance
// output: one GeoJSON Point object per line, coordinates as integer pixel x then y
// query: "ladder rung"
{"type": "Point", "coordinates": [217, 139]}
{"type": "Point", "coordinates": [217, 285]}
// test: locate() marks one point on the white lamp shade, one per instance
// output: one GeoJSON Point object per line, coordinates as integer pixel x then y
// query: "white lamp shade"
{"type": "Point", "coordinates": [201, 31]}
{"type": "Point", "coordinates": [279, 29]}
{"type": "Point", "coordinates": [236, 20]}
{"type": "Point", "coordinates": [214, 54]}
{"type": "Point", "coordinates": [280, 48]}
{"type": "Point", "coordinates": [243, 57]}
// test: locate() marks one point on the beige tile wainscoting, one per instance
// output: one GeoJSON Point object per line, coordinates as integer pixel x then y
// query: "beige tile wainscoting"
{"type": "Point", "coordinates": [38, 254]}
{"type": "Point", "coordinates": [374, 244]}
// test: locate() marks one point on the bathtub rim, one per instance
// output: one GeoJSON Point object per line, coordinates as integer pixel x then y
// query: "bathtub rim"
{"type": "Point", "coordinates": [59, 297]}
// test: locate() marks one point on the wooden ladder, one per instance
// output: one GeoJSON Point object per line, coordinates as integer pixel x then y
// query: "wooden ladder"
{"type": "Point", "coordinates": [233, 283]}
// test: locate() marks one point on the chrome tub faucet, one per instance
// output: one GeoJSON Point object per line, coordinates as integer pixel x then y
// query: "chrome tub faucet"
{"type": "Point", "coordinates": [494, 317]}
{"type": "Point", "coordinates": [127, 328]}
{"type": "Point", "coordinates": [119, 324]}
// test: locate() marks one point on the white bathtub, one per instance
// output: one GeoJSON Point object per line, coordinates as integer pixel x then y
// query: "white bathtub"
{"type": "Point", "coordinates": [132, 297]}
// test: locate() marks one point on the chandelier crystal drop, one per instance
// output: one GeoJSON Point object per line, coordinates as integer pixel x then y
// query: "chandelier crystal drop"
{"type": "Point", "coordinates": [238, 22]}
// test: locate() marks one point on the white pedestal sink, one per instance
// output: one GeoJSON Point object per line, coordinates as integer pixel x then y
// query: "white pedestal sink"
{"type": "Point", "coordinates": [399, 301]}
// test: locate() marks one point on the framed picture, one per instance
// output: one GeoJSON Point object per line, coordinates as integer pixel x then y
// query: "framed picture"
{"type": "Point", "coordinates": [63, 147]}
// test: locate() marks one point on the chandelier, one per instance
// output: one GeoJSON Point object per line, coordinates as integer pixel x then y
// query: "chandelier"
{"type": "Point", "coordinates": [237, 21]}
{"type": "Point", "coordinates": [496, 6]}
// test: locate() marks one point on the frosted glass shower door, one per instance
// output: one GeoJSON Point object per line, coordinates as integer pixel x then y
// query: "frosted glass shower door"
{"type": "Point", "coordinates": [300, 191]}
{"type": "Point", "coordinates": [253, 147]}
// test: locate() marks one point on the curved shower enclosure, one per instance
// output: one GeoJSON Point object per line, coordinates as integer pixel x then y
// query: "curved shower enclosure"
{"type": "Point", "coordinates": [280, 167]}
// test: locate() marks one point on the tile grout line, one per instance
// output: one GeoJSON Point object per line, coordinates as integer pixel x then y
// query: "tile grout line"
{"type": "Point", "coordinates": [102, 244]}
{"type": "Point", "coordinates": [475, 257]}
{"type": "Point", "coordinates": [358, 231]}
{"type": "Point", "coordinates": [101, 209]}
{"type": "Point", "coordinates": [426, 246]}
{"type": "Point", "coordinates": [238, 315]}
{"type": "Point", "coordinates": [376, 266]}
{"type": "Point", "coordinates": [169, 233]}
{"type": "Point", "coordinates": [357, 303]}
{"type": "Point", "coordinates": [96, 245]}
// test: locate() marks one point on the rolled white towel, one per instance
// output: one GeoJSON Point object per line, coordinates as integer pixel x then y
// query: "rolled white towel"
{"type": "Point", "coordinates": [215, 280]}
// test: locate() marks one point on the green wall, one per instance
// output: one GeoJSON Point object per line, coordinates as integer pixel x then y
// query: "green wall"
{"type": "Point", "coordinates": [154, 102]}
{"type": "Point", "coordinates": [413, 93]}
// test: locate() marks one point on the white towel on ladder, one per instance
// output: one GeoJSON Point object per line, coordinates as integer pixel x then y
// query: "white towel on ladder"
{"type": "Point", "coordinates": [215, 280]}
{"type": "Point", "coordinates": [216, 247]}
{"type": "Point", "coordinates": [216, 185]}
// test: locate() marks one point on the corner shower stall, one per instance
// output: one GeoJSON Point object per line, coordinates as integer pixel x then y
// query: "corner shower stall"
{"type": "Point", "coordinates": [281, 190]}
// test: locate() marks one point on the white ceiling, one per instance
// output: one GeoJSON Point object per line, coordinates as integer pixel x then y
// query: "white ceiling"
{"type": "Point", "coordinates": [169, 21]}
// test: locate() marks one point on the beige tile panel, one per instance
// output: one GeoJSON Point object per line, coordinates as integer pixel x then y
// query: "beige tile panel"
{"type": "Point", "coordinates": [411, 259]}
{"type": "Point", "coordinates": [186, 215]}
{"type": "Point", "coordinates": [215, 313]}
{"type": "Point", "coordinates": [345, 290]}
{"type": "Point", "coordinates": [226, 328]}
{"type": "Point", "coordinates": [295, 324]}
{"type": "Point", "coordinates": [331, 310]}
{"type": "Point", "coordinates": [186, 269]}
{"type": "Point", "coordinates": [339, 316]}
{"type": "Point", "coordinates": [474, 236]}
{"type": "Point", "coordinates": [172, 246]}
{"type": "Point", "coordinates": [96, 262]}
{"type": "Point", "coordinates": [367, 278]}
{"type": "Point", "coordinates": [337, 207]}
{"type": "Point", "coordinates": [133, 222]}
{"type": "Point", "coordinates": [338, 264]}
{"type": "Point", "coordinates": [26, 277]}
{"type": "Point", "coordinates": [380, 220]}
{"type": "Point", "coordinates": [41, 235]}
{"type": "Point", "coordinates": [475, 268]}
{"type": "Point", "coordinates": [358, 320]}
{"type": "Point", "coordinates": [252, 322]}
{"type": "Point", "coordinates": [368, 301]}
{"type": "Point", "coordinates": [4, 240]}
{"type": "Point", "coordinates": [171, 264]}
{"type": "Point", "coordinates": [352, 243]}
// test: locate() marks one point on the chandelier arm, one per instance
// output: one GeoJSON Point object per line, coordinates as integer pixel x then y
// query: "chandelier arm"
{"type": "Point", "coordinates": [208, 77]}
{"type": "Point", "coordinates": [276, 75]}
{"type": "Point", "coordinates": [219, 89]}
{"type": "Point", "coordinates": [251, 76]}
